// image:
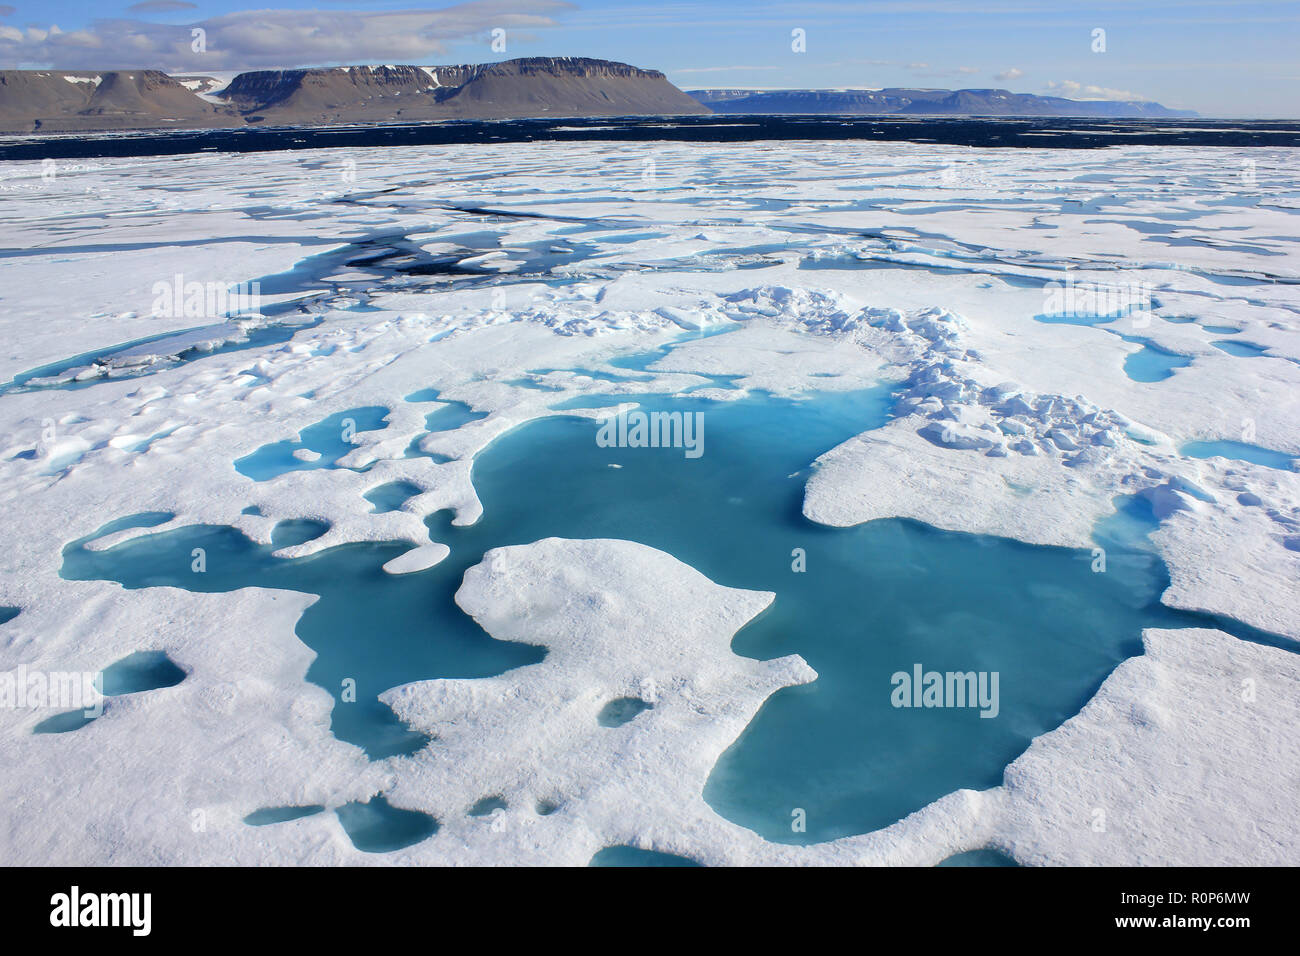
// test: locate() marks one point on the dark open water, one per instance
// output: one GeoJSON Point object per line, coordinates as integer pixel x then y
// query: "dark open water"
{"type": "Point", "coordinates": [1036, 131]}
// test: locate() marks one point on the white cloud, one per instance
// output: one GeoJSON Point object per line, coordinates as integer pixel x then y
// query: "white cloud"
{"type": "Point", "coordinates": [1011, 74]}
{"type": "Point", "coordinates": [1073, 90]}
{"type": "Point", "coordinates": [271, 39]}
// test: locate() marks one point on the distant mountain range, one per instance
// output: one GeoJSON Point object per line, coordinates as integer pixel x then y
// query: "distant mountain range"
{"type": "Point", "coordinates": [53, 101]}
{"type": "Point", "coordinates": [63, 101]}
{"type": "Point", "coordinates": [919, 103]}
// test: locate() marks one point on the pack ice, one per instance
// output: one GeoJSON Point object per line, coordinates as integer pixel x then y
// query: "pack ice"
{"type": "Point", "coordinates": [517, 282]}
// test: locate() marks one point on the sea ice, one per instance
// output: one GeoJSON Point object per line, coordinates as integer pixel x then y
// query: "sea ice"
{"type": "Point", "coordinates": [784, 268]}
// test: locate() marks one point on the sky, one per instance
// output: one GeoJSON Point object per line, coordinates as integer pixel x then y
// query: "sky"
{"type": "Point", "coordinates": [1229, 59]}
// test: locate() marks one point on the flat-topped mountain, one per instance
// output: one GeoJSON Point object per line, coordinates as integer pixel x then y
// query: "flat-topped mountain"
{"type": "Point", "coordinates": [536, 86]}
{"type": "Point", "coordinates": [52, 101]}
{"type": "Point", "coordinates": [920, 102]}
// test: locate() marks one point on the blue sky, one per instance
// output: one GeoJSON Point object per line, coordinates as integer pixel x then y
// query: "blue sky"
{"type": "Point", "coordinates": [1221, 59]}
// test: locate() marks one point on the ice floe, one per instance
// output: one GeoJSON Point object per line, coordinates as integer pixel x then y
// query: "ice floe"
{"type": "Point", "coordinates": [520, 284]}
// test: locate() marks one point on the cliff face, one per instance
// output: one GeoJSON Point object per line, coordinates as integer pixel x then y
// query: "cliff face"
{"type": "Point", "coordinates": [55, 101]}
{"type": "Point", "coordinates": [536, 86]}
{"type": "Point", "coordinates": [345, 88]}
{"type": "Point", "coordinates": [919, 102]}
{"type": "Point", "coordinates": [568, 87]}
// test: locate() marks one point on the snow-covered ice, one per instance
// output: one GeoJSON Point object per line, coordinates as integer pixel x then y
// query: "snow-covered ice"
{"type": "Point", "coordinates": [517, 278]}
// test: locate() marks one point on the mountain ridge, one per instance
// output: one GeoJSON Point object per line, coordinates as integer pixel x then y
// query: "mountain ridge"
{"type": "Point", "coordinates": [54, 101]}
{"type": "Point", "coordinates": [921, 102]}
{"type": "Point", "coordinates": [59, 101]}
{"type": "Point", "coordinates": [83, 101]}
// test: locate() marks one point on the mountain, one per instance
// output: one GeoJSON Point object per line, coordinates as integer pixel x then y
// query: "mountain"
{"type": "Point", "coordinates": [56, 101]}
{"type": "Point", "coordinates": [920, 102]}
{"type": "Point", "coordinates": [52, 101]}
{"type": "Point", "coordinates": [536, 86]}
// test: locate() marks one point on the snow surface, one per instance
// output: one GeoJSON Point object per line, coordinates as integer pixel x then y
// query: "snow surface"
{"type": "Point", "coordinates": [834, 265]}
